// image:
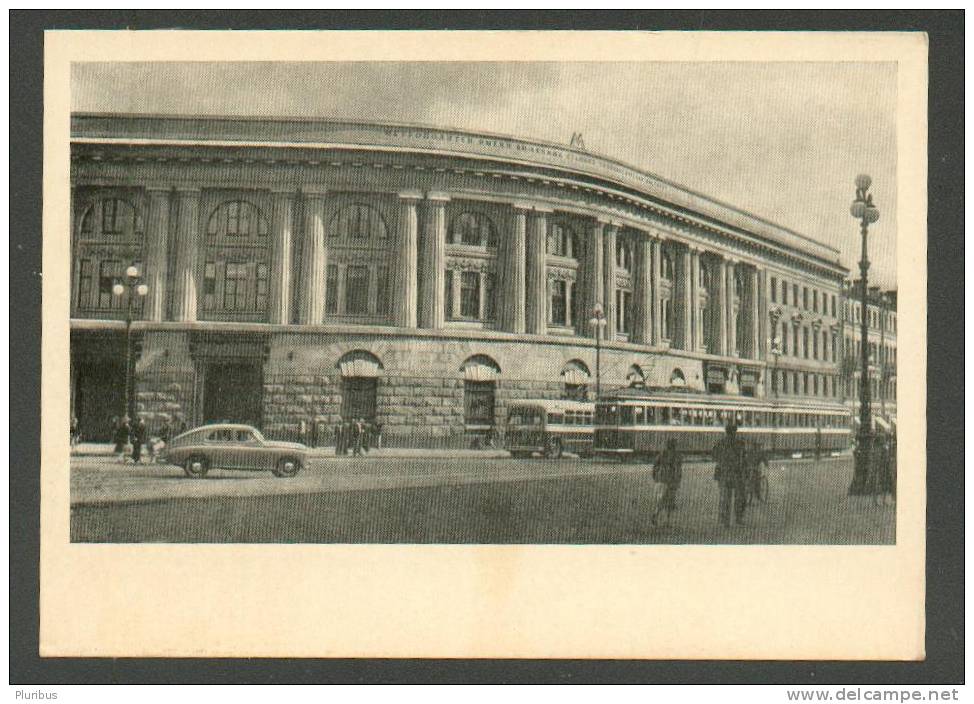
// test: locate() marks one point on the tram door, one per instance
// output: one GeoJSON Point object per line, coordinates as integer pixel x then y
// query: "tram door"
{"type": "Point", "coordinates": [232, 393]}
{"type": "Point", "coordinates": [358, 397]}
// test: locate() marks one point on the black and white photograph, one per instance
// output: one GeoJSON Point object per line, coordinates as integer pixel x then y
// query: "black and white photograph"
{"type": "Point", "coordinates": [506, 344]}
{"type": "Point", "coordinates": [483, 302]}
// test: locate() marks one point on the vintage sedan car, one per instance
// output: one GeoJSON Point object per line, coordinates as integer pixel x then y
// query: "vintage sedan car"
{"type": "Point", "coordinates": [233, 446]}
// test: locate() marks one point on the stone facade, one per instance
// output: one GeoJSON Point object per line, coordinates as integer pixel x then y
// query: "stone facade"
{"type": "Point", "coordinates": [286, 258]}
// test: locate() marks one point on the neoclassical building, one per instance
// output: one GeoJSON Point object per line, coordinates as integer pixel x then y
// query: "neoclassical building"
{"type": "Point", "coordinates": [300, 271]}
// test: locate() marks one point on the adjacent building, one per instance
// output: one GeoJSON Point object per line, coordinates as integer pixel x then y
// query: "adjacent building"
{"type": "Point", "coordinates": [304, 271]}
{"type": "Point", "coordinates": [881, 339]}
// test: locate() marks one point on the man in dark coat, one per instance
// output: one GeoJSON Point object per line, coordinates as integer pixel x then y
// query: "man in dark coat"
{"type": "Point", "coordinates": [339, 438]}
{"type": "Point", "coordinates": [668, 473]}
{"type": "Point", "coordinates": [138, 439]}
{"type": "Point", "coordinates": [729, 474]}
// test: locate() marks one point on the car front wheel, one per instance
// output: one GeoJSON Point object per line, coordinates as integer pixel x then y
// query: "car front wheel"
{"type": "Point", "coordinates": [287, 467]}
{"type": "Point", "coordinates": [196, 467]}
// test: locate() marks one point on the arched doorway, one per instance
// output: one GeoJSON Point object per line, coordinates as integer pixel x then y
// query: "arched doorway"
{"type": "Point", "coordinates": [360, 372]}
{"type": "Point", "coordinates": [677, 378]}
{"type": "Point", "coordinates": [480, 374]}
{"type": "Point", "coordinates": [576, 377]}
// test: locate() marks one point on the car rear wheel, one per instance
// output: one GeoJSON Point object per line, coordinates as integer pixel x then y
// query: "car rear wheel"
{"type": "Point", "coordinates": [287, 467]}
{"type": "Point", "coordinates": [196, 467]}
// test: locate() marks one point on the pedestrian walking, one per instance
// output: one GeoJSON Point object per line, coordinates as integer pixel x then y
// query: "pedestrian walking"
{"type": "Point", "coordinates": [667, 473]}
{"type": "Point", "coordinates": [121, 437]}
{"type": "Point", "coordinates": [729, 474]}
{"type": "Point", "coordinates": [138, 438]}
{"type": "Point", "coordinates": [883, 471]}
{"type": "Point", "coordinates": [358, 428]}
{"type": "Point", "coordinates": [378, 436]}
{"type": "Point", "coordinates": [366, 435]}
{"type": "Point", "coordinates": [338, 433]}
{"type": "Point", "coordinates": [165, 434]}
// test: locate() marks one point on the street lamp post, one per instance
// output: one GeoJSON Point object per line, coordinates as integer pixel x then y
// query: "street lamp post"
{"type": "Point", "coordinates": [774, 315]}
{"type": "Point", "coordinates": [132, 288]}
{"type": "Point", "coordinates": [863, 210]}
{"type": "Point", "coordinates": [598, 322]}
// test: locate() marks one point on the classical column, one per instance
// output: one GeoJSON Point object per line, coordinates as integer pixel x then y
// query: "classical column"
{"type": "Point", "coordinates": [432, 264]}
{"type": "Point", "coordinates": [594, 287]}
{"type": "Point", "coordinates": [688, 298]}
{"type": "Point", "coordinates": [609, 280]}
{"type": "Point", "coordinates": [698, 331]}
{"type": "Point", "coordinates": [731, 327]}
{"type": "Point", "coordinates": [514, 272]}
{"type": "Point", "coordinates": [282, 231]}
{"type": "Point", "coordinates": [536, 278]}
{"type": "Point", "coordinates": [643, 291]}
{"type": "Point", "coordinates": [721, 308]}
{"type": "Point", "coordinates": [187, 247]}
{"type": "Point", "coordinates": [756, 315]}
{"type": "Point", "coordinates": [157, 253]}
{"type": "Point", "coordinates": [314, 262]}
{"type": "Point", "coordinates": [407, 254]}
{"type": "Point", "coordinates": [657, 294]}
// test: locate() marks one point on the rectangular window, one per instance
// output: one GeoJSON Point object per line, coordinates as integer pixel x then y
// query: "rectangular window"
{"type": "Point", "coordinates": [263, 283]}
{"type": "Point", "coordinates": [382, 291]}
{"type": "Point", "coordinates": [815, 384]}
{"type": "Point", "coordinates": [84, 283]}
{"type": "Point", "coordinates": [805, 297]}
{"type": "Point", "coordinates": [774, 289]}
{"type": "Point", "coordinates": [784, 293]}
{"type": "Point", "coordinates": [794, 295]}
{"type": "Point", "coordinates": [795, 349]}
{"type": "Point", "coordinates": [815, 300]}
{"type": "Point", "coordinates": [784, 338]}
{"type": "Point", "coordinates": [478, 402]}
{"type": "Point", "coordinates": [110, 220]}
{"type": "Point", "coordinates": [209, 285]}
{"type": "Point", "coordinates": [814, 345]}
{"type": "Point", "coordinates": [805, 342]}
{"type": "Point", "coordinates": [357, 290]}
{"type": "Point", "coordinates": [470, 294]}
{"type": "Point", "coordinates": [559, 302]}
{"type": "Point", "coordinates": [490, 308]}
{"type": "Point", "coordinates": [833, 305]}
{"type": "Point", "coordinates": [331, 290]}
{"type": "Point", "coordinates": [235, 286]}
{"type": "Point", "coordinates": [109, 272]}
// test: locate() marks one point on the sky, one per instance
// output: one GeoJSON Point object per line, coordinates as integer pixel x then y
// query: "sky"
{"type": "Point", "coordinates": [781, 140]}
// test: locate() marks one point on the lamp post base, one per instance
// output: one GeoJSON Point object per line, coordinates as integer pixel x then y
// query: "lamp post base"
{"type": "Point", "coordinates": [861, 467]}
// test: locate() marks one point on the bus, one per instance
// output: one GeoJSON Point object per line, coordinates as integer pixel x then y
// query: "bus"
{"type": "Point", "coordinates": [635, 423]}
{"type": "Point", "coordinates": [549, 428]}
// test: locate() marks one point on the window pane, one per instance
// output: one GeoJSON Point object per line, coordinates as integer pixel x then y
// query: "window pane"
{"type": "Point", "coordinates": [357, 290]}
{"type": "Point", "coordinates": [559, 308]}
{"type": "Point", "coordinates": [478, 402]}
{"type": "Point", "coordinates": [470, 294]}
{"type": "Point", "coordinates": [382, 291]}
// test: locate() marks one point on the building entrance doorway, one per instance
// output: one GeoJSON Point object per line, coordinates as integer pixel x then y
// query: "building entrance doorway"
{"type": "Point", "coordinates": [99, 395]}
{"type": "Point", "coordinates": [233, 393]}
{"type": "Point", "coordinates": [358, 397]}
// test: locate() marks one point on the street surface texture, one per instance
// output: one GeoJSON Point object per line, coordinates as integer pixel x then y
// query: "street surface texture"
{"type": "Point", "coordinates": [444, 499]}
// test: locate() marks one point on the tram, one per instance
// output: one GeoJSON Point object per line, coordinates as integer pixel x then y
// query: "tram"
{"type": "Point", "coordinates": [636, 422]}
{"type": "Point", "coordinates": [550, 428]}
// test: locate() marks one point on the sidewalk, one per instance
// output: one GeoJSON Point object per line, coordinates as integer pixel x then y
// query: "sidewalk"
{"type": "Point", "coordinates": [91, 449]}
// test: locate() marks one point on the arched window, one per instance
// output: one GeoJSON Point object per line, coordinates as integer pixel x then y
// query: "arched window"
{"type": "Point", "coordinates": [110, 217]}
{"type": "Point", "coordinates": [360, 371]}
{"type": "Point", "coordinates": [473, 229]}
{"type": "Point", "coordinates": [677, 378]}
{"type": "Point", "coordinates": [635, 376]}
{"type": "Point", "coordinates": [480, 374]}
{"type": "Point", "coordinates": [358, 224]}
{"type": "Point", "coordinates": [575, 376]}
{"type": "Point", "coordinates": [561, 241]}
{"type": "Point", "coordinates": [236, 270]}
{"type": "Point", "coordinates": [237, 218]}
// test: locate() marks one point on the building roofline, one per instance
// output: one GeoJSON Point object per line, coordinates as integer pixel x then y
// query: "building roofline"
{"type": "Point", "coordinates": [310, 121]}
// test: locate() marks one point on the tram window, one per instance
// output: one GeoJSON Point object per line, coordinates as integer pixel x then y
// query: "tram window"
{"type": "Point", "coordinates": [640, 415]}
{"type": "Point", "coordinates": [664, 415]}
{"type": "Point", "coordinates": [554, 419]}
{"type": "Point", "coordinates": [569, 417]}
{"type": "Point", "coordinates": [627, 415]}
{"type": "Point", "coordinates": [650, 414]}
{"type": "Point", "coordinates": [685, 416]}
{"type": "Point", "coordinates": [697, 417]}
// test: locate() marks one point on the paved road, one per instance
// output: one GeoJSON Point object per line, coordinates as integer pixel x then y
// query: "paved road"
{"type": "Point", "coordinates": [444, 500]}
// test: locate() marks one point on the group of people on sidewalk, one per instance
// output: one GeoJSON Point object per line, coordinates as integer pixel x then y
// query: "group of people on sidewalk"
{"type": "Point", "coordinates": [357, 436]}
{"type": "Point", "coordinates": [738, 471]}
{"type": "Point", "coordinates": [131, 438]}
